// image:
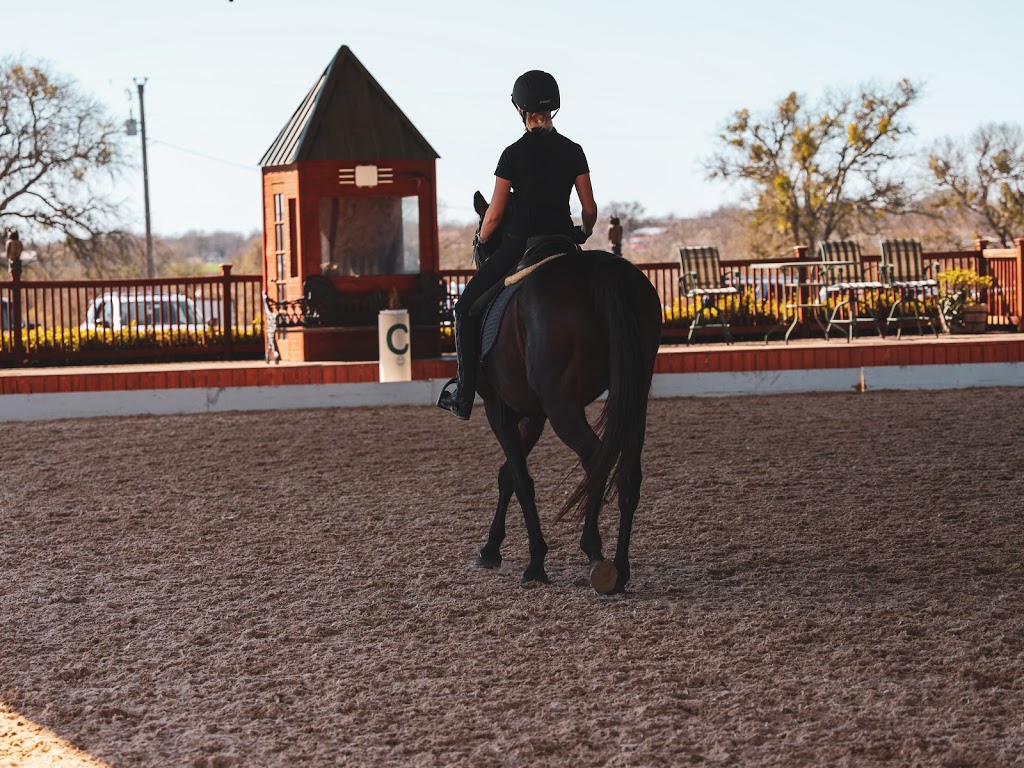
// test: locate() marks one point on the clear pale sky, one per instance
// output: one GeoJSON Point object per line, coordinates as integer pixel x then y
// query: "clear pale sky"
{"type": "Point", "coordinates": [646, 86]}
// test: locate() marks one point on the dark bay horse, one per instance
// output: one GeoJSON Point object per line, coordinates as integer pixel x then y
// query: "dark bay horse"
{"type": "Point", "coordinates": [584, 323]}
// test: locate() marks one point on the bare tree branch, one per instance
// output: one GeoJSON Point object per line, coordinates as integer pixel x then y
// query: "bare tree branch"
{"type": "Point", "coordinates": [984, 176]}
{"type": "Point", "coordinates": [58, 153]}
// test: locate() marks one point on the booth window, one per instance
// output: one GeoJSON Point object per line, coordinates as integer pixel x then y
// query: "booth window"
{"type": "Point", "coordinates": [280, 253]}
{"type": "Point", "coordinates": [293, 247]}
{"type": "Point", "coordinates": [370, 235]}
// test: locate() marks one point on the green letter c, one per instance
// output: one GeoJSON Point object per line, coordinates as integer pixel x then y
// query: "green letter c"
{"type": "Point", "coordinates": [391, 345]}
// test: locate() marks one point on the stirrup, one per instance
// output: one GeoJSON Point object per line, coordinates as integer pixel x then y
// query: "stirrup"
{"type": "Point", "coordinates": [453, 401]}
{"type": "Point", "coordinates": [447, 399]}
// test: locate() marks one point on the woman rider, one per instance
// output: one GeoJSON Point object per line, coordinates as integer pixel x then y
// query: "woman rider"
{"type": "Point", "coordinates": [532, 184]}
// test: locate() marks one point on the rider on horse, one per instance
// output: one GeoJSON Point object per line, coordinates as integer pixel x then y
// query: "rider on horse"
{"type": "Point", "coordinates": [532, 184]}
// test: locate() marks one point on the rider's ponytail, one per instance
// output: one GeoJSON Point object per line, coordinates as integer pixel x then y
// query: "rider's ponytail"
{"type": "Point", "coordinates": [539, 122]}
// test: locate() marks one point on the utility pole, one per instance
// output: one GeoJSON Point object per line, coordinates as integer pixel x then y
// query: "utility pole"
{"type": "Point", "coordinates": [150, 269]}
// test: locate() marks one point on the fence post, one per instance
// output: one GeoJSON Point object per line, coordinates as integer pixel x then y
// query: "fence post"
{"type": "Point", "coordinates": [803, 288]}
{"type": "Point", "coordinates": [15, 318]}
{"type": "Point", "coordinates": [1017, 308]}
{"type": "Point", "coordinates": [226, 317]}
{"type": "Point", "coordinates": [980, 245]}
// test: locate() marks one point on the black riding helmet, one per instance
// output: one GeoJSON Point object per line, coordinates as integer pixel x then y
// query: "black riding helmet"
{"type": "Point", "coordinates": [535, 91]}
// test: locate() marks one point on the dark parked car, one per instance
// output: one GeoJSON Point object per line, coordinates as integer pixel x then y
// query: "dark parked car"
{"type": "Point", "coordinates": [5, 316]}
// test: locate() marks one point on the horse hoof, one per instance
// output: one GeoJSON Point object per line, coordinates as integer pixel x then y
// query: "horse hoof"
{"type": "Point", "coordinates": [486, 564]}
{"type": "Point", "coordinates": [603, 576]}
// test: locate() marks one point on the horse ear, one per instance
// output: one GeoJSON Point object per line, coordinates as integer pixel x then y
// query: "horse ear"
{"type": "Point", "coordinates": [479, 203]}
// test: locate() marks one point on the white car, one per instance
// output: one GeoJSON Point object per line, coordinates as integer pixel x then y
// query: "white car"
{"type": "Point", "coordinates": [144, 311]}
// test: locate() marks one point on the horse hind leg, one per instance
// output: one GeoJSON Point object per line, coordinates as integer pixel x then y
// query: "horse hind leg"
{"type": "Point", "coordinates": [575, 431]}
{"type": "Point", "coordinates": [629, 498]}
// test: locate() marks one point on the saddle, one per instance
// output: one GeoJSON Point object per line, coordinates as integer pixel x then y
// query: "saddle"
{"type": "Point", "coordinates": [493, 303]}
{"type": "Point", "coordinates": [538, 249]}
{"type": "Point", "coordinates": [543, 247]}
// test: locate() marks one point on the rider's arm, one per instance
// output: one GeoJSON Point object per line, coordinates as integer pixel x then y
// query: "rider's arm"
{"type": "Point", "coordinates": [499, 198]}
{"type": "Point", "coordinates": [585, 191]}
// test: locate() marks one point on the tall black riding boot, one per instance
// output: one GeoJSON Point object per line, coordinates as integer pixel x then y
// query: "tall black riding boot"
{"type": "Point", "coordinates": [460, 402]}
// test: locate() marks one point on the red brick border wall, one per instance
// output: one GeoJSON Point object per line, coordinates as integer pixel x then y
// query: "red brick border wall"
{"type": "Point", "coordinates": [1003, 348]}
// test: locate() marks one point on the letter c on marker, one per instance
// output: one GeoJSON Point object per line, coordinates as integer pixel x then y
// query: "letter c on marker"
{"type": "Point", "coordinates": [391, 345]}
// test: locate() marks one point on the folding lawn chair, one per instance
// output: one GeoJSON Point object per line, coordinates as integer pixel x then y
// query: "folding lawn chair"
{"type": "Point", "coordinates": [844, 277]}
{"type": "Point", "coordinates": [701, 279]}
{"type": "Point", "coordinates": [904, 271]}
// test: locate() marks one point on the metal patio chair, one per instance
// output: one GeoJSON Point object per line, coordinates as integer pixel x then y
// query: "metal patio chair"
{"type": "Point", "coordinates": [701, 279]}
{"type": "Point", "coordinates": [904, 272]}
{"type": "Point", "coordinates": [844, 277]}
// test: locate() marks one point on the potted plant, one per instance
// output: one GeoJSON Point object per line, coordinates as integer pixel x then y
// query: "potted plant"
{"type": "Point", "coordinates": [961, 300]}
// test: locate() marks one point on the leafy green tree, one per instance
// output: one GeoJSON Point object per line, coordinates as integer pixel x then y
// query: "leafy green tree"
{"type": "Point", "coordinates": [58, 153]}
{"type": "Point", "coordinates": [819, 172]}
{"type": "Point", "coordinates": [984, 176]}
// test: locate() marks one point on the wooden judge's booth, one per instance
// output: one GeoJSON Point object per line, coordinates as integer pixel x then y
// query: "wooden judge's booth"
{"type": "Point", "coordinates": [350, 204]}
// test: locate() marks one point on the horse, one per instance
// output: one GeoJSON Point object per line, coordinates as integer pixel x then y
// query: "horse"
{"type": "Point", "coordinates": [584, 323]}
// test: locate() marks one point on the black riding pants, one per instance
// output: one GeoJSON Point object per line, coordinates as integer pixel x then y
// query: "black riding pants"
{"type": "Point", "coordinates": [500, 263]}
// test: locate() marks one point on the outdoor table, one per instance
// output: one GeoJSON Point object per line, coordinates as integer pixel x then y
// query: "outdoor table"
{"type": "Point", "coordinates": [806, 298]}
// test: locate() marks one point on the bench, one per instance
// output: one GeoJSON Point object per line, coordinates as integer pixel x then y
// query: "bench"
{"type": "Point", "coordinates": [322, 306]}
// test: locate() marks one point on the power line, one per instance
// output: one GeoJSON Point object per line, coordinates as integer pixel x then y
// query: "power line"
{"type": "Point", "coordinates": [188, 151]}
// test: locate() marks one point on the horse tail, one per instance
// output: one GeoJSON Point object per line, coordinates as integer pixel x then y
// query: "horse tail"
{"type": "Point", "coordinates": [631, 313]}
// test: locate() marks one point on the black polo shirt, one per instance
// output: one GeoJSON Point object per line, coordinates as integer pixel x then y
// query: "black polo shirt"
{"type": "Point", "coordinates": [542, 166]}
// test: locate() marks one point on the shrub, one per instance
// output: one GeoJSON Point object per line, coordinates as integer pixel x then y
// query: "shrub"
{"type": "Point", "coordinates": [959, 289]}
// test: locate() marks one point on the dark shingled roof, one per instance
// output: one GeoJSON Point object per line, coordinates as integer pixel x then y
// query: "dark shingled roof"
{"type": "Point", "coordinates": [347, 116]}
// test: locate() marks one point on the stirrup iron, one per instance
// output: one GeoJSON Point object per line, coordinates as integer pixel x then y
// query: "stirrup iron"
{"type": "Point", "coordinates": [446, 399]}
